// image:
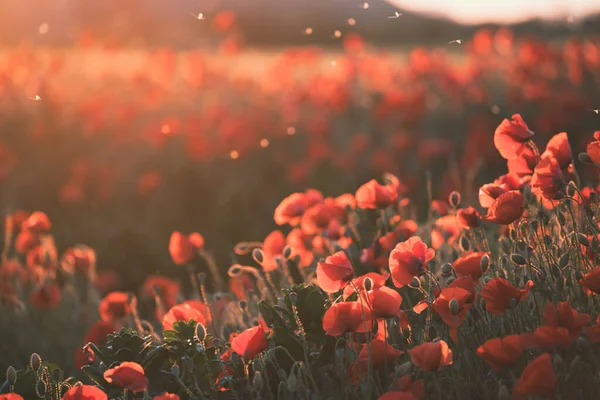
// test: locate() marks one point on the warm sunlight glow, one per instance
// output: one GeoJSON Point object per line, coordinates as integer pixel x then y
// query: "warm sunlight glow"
{"type": "Point", "coordinates": [234, 155]}
{"type": "Point", "coordinates": [505, 12]}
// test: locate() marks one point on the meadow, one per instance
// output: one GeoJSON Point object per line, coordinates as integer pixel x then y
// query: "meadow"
{"type": "Point", "coordinates": [304, 224]}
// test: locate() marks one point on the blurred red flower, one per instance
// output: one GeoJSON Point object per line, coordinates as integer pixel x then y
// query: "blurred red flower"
{"type": "Point", "coordinates": [85, 392]}
{"type": "Point", "coordinates": [506, 209]}
{"type": "Point", "coordinates": [166, 396]}
{"type": "Point", "coordinates": [183, 248]}
{"type": "Point", "coordinates": [273, 246]}
{"type": "Point", "coordinates": [511, 137]}
{"type": "Point", "coordinates": [115, 306]}
{"type": "Point", "coordinates": [187, 311]}
{"type": "Point", "coordinates": [373, 195]}
{"type": "Point", "coordinates": [128, 375]}
{"type": "Point", "coordinates": [498, 294]}
{"type": "Point", "coordinates": [593, 149]}
{"type": "Point", "coordinates": [501, 353]}
{"type": "Point", "coordinates": [38, 222]}
{"type": "Point", "coordinates": [347, 317]}
{"type": "Point", "coordinates": [563, 315]}
{"type": "Point", "coordinates": [431, 356]}
{"type": "Point", "coordinates": [250, 342]}
{"type": "Point", "coordinates": [537, 379]}
{"type": "Point", "coordinates": [46, 296]}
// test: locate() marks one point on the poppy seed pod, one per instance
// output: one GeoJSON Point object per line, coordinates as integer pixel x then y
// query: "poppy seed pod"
{"type": "Point", "coordinates": [200, 332]}
{"type": "Point", "coordinates": [583, 240]}
{"type": "Point", "coordinates": [454, 199]}
{"type": "Point", "coordinates": [40, 388]}
{"type": "Point", "coordinates": [484, 263]}
{"type": "Point", "coordinates": [175, 370]}
{"type": "Point", "coordinates": [564, 260]}
{"type": "Point", "coordinates": [454, 308]}
{"type": "Point", "coordinates": [446, 269]}
{"type": "Point", "coordinates": [287, 252]}
{"type": "Point", "coordinates": [35, 362]}
{"type": "Point", "coordinates": [571, 189]}
{"type": "Point", "coordinates": [11, 375]}
{"type": "Point", "coordinates": [257, 255]}
{"type": "Point", "coordinates": [234, 271]}
{"type": "Point", "coordinates": [585, 158]}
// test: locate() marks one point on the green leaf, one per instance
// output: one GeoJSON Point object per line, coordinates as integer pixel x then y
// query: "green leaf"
{"type": "Point", "coordinates": [284, 338]}
{"type": "Point", "coordinates": [95, 375]}
{"type": "Point", "coordinates": [270, 315]}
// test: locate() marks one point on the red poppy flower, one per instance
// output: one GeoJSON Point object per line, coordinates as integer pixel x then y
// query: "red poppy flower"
{"type": "Point", "coordinates": [377, 281]}
{"type": "Point", "coordinates": [373, 195]}
{"type": "Point", "coordinates": [42, 256]}
{"type": "Point", "coordinates": [335, 273]}
{"type": "Point", "coordinates": [431, 356]}
{"type": "Point", "coordinates": [499, 292]}
{"type": "Point", "coordinates": [593, 149]}
{"type": "Point", "coordinates": [547, 180]}
{"type": "Point", "coordinates": [506, 209]}
{"type": "Point", "coordinates": [25, 241]}
{"type": "Point", "coordinates": [408, 260]}
{"type": "Point", "coordinates": [384, 302]}
{"type": "Point", "coordinates": [187, 311]}
{"type": "Point", "coordinates": [381, 353]}
{"type": "Point", "coordinates": [319, 217]}
{"type": "Point", "coordinates": [546, 338]}
{"type": "Point", "coordinates": [184, 248]}
{"type": "Point", "coordinates": [166, 289]}
{"type": "Point", "coordinates": [407, 385]}
{"type": "Point", "coordinates": [250, 342]}
{"type": "Point", "coordinates": [166, 396]}
{"type": "Point", "coordinates": [346, 200]}
{"type": "Point", "coordinates": [501, 353]}
{"type": "Point", "coordinates": [560, 148]}
{"type": "Point", "coordinates": [301, 245]}
{"type": "Point", "coordinates": [272, 247]}
{"type": "Point", "coordinates": [291, 209]}
{"type": "Point", "coordinates": [11, 396]}
{"type": "Point", "coordinates": [85, 392]}
{"type": "Point", "coordinates": [115, 306]}
{"type": "Point", "coordinates": [469, 265]}
{"type": "Point", "coordinates": [537, 379]}
{"type": "Point", "coordinates": [511, 137]}
{"type": "Point", "coordinates": [443, 306]}
{"type": "Point", "coordinates": [523, 165]}
{"type": "Point", "coordinates": [46, 296]}
{"type": "Point", "coordinates": [591, 281]}
{"type": "Point", "coordinates": [38, 222]}
{"type": "Point", "coordinates": [468, 217]}
{"type": "Point", "coordinates": [489, 192]}
{"type": "Point", "coordinates": [563, 315]}
{"type": "Point", "coordinates": [445, 230]}
{"type": "Point", "coordinates": [128, 375]}
{"type": "Point", "coordinates": [81, 258]}
{"type": "Point", "coordinates": [347, 317]}
{"type": "Point", "coordinates": [98, 332]}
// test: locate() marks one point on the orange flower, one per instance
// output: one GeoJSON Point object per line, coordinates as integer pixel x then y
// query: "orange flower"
{"type": "Point", "coordinates": [85, 392]}
{"type": "Point", "coordinates": [498, 294]}
{"type": "Point", "coordinates": [559, 147]}
{"type": "Point", "coordinates": [46, 296]}
{"type": "Point", "coordinates": [115, 306]}
{"type": "Point", "coordinates": [547, 180]}
{"type": "Point", "coordinates": [301, 245]}
{"type": "Point", "coordinates": [384, 302]}
{"type": "Point", "coordinates": [408, 260]}
{"type": "Point", "coordinates": [591, 281]}
{"type": "Point", "coordinates": [537, 379]}
{"type": "Point", "coordinates": [334, 273]}
{"type": "Point", "coordinates": [431, 356]}
{"type": "Point", "coordinates": [291, 209]}
{"type": "Point", "coordinates": [593, 149]}
{"type": "Point", "coordinates": [272, 247]}
{"type": "Point", "coordinates": [166, 396]}
{"type": "Point", "coordinates": [38, 222]}
{"type": "Point", "coordinates": [489, 192]}
{"type": "Point", "coordinates": [373, 195]}
{"type": "Point", "coordinates": [128, 375]}
{"type": "Point", "coordinates": [511, 137]}
{"type": "Point", "coordinates": [187, 311]}
{"type": "Point", "coordinates": [563, 315]}
{"type": "Point", "coordinates": [445, 230]}
{"type": "Point", "coordinates": [250, 342]}
{"type": "Point", "coordinates": [183, 248]}
{"type": "Point", "coordinates": [506, 209]}
{"type": "Point", "coordinates": [501, 353]}
{"type": "Point", "coordinates": [347, 317]}
{"type": "Point", "coordinates": [469, 265]}
{"type": "Point", "coordinates": [167, 289]}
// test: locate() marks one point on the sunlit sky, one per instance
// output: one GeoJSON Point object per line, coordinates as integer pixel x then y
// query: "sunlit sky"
{"type": "Point", "coordinates": [501, 11]}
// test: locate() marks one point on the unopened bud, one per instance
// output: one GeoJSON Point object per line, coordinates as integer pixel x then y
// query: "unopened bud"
{"type": "Point", "coordinates": [571, 189]}
{"type": "Point", "coordinates": [234, 271]}
{"type": "Point", "coordinates": [585, 158]}
{"type": "Point", "coordinates": [200, 332]}
{"type": "Point", "coordinates": [564, 260]}
{"type": "Point", "coordinates": [257, 254]}
{"type": "Point", "coordinates": [518, 259]}
{"type": "Point", "coordinates": [293, 297]}
{"type": "Point", "coordinates": [35, 362]}
{"type": "Point", "coordinates": [40, 388]}
{"type": "Point", "coordinates": [368, 284]}
{"type": "Point", "coordinates": [415, 283]}
{"type": "Point", "coordinates": [243, 304]}
{"type": "Point", "coordinates": [484, 263]}
{"type": "Point", "coordinates": [175, 370]}
{"type": "Point", "coordinates": [454, 308]}
{"type": "Point", "coordinates": [465, 244]}
{"type": "Point", "coordinates": [201, 278]}
{"type": "Point", "coordinates": [583, 240]}
{"type": "Point", "coordinates": [454, 199]}
{"type": "Point", "coordinates": [11, 375]}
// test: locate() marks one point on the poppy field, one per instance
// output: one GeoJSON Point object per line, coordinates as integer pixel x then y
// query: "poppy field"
{"type": "Point", "coordinates": [322, 225]}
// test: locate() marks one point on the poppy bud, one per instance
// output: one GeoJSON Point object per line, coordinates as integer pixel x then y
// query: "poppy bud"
{"type": "Point", "coordinates": [593, 196]}
{"type": "Point", "coordinates": [548, 240]}
{"type": "Point", "coordinates": [201, 278]}
{"type": "Point", "coordinates": [235, 358]}
{"type": "Point", "coordinates": [583, 240]}
{"type": "Point", "coordinates": [11, 375]}
{"type": "Point", "coordinates": [454, 199]}
{"type": "Point", "coordinates": [404, 369]}
{"type": "Point", "coordinates": [446, 269]}
{"type": "Point", "coordinates": [484, 263]}
{"type": "Point", "coordinates": [487, 279]}
{"type": "Point", "coordinates": [585, 158]}
{"type": "Point", "coordinates": [257, 254]}
{"type": "Point", "coordinates": [293, 297]}
{"type": "Point", "coordinates": [535, 224]}
{"type": "Point", "coordinates": [512, 302]}
{"type": "Point", "coordinates": [564, 260]}
{"type": "Point", "coordinates": [504, 393]}
{"type": "Point", "coordinates": [287, 252]}
{"type": "Point", "coordinates": [258, 382]}
{"type": "Point", "coordinates": [243, 304]}
{"type": "Point", "coordinates": [521, 246]}
{"type": "Point", "coordinates": [234, 271]}
{"type": "Point", "coordinates": [40, 388]}
{"type": "Point", "coordinates": [571, 189]}
{"type": "Point", "coordinates": [583, 345]}
{"type": "Point", "coordinates": [454, 307]}
{"type": "Point", "coordinates": [368, 284]}
{"type": "Point", "coordinates": [175, 370]}
{"type": "Point", "coordinates": [512, 234]}
{"type": "Point", "coordinates": [523, 227]}
{"type": "Point", "coordinates": [296, 259]}
{"type": "Point", "coordinates": [200, 332]}
{"type": "Point", "coordinates": [415, 283]}
{"type": "Point", "coordinates": [35, 362]}
{"type": "Point", "coordinates": [465, 244]}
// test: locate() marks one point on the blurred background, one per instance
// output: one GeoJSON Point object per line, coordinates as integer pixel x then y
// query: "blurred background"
{"type": "Point", "coordinates": [126, 120]}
